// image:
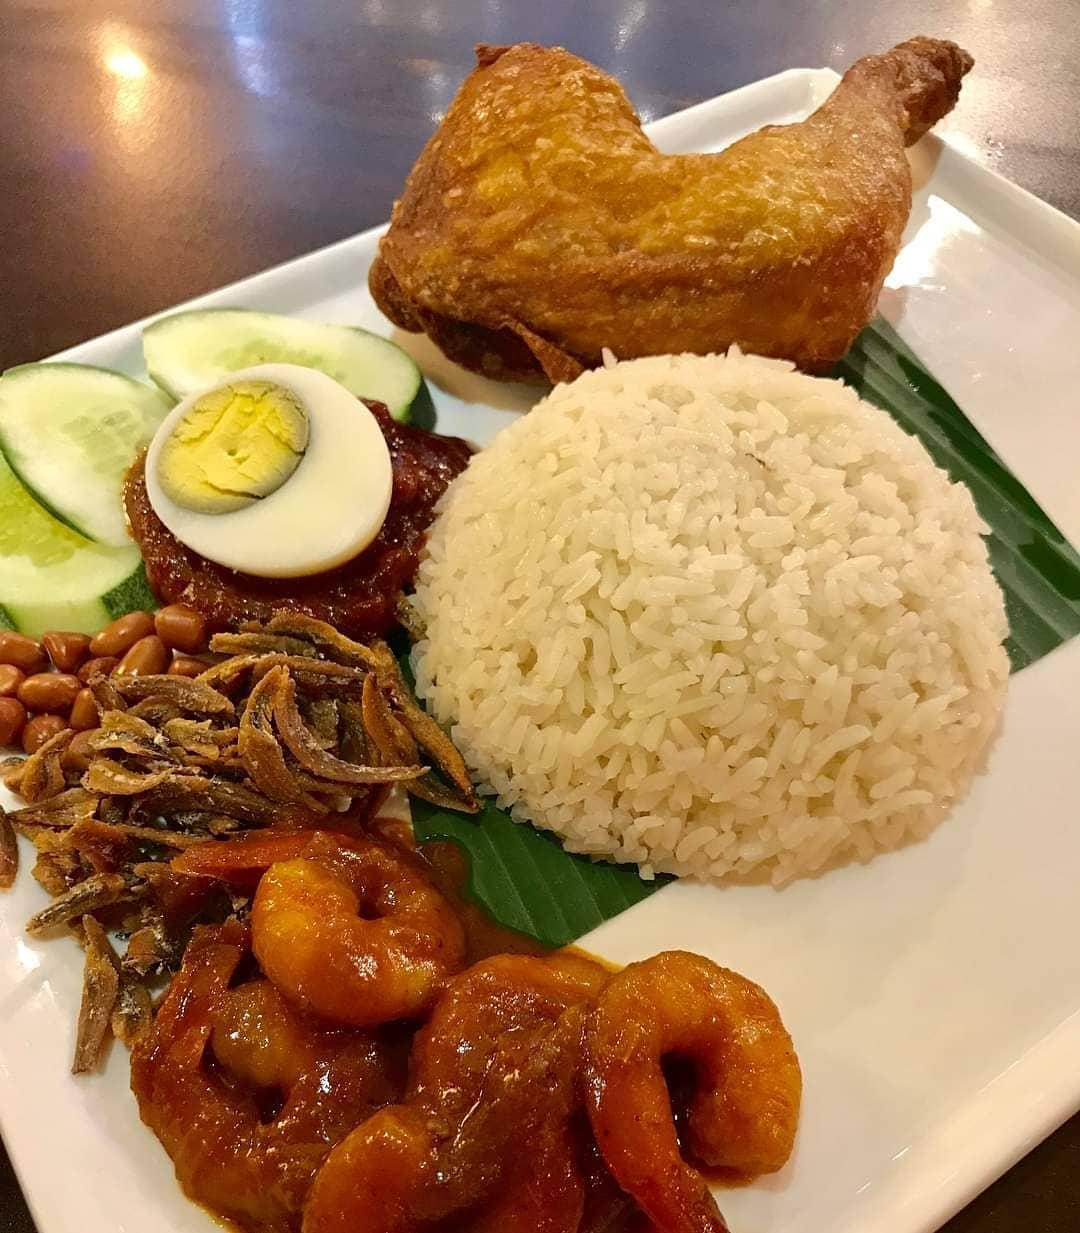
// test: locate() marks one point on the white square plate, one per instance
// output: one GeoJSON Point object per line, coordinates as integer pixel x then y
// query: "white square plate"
{"type": "Point", "coordinates": [934, 994]}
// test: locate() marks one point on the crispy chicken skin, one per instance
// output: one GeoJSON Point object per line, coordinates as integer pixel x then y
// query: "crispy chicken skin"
{"type": "Point", "coordinates": [540, 225]}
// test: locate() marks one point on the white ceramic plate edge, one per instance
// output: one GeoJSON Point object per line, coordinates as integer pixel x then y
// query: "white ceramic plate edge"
{"type": "Point", "coordinates": [945, 1170]}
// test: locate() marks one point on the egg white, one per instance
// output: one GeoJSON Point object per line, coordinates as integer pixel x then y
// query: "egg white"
{"type": "Point", "coordinates": [330, 508]}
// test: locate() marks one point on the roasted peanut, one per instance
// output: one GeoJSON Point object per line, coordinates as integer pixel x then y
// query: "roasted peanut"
{"type": "Point", "coordinates": [187, 665]}
{"type": "Point", "coordinates": [84, 711]}
{"type": "Point", "coordinates": [39, 729]}
{"type": "Point", "coordinates": [49, 691]}
{"type": "Point", "coordinates": [66, 650]}
{"type": "Point", "coordinates": [80, 752]}
{"type": "Point", "coordinates": [102, 665]}
{"type": "Point", "coordinates": [21, 651]}
{"type": "Point", "coordinates": [181, 628]}
{"type": "Point", "coordinates": [122, 634]}
{"type": "Point", "coordinates": [147, 657]}
{"type": "Point", "coordinates": [12, 718]}
{"type": "Point", "coordinates": [10, 680]}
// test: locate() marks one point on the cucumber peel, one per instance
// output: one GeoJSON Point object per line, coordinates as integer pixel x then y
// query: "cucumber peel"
{"type": "Point", "coordinates": [189, 351]}
{"type": "Point", "coordinates": [132, 594]}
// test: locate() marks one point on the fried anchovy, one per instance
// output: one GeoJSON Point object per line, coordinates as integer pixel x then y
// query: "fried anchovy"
{"type": "Point", "coordinates": [356, 744]}
{"type": "Point", "coordinates": [430, 737]}
{"type": "Point", "coordinates": [156, 710]}
{"type": "Point", "coordinates": [133, 1013]}
{"type": "Point", "coordinates": [321, 716]}
{"type": "Point", "coordinates": [430, 788]}
{"type": "Point", "coordinates": [184, 795]}
{"type": "Point", "coordinates": [9, 851]}
{"type": "Point", "coordinates": [126, 732]}
{"type": "Point", "coordinates": [197, 736]}
{"type": "Point", "coordinates": [55, 872]}
{"type": "Point", "coordinates": [193, 696]}
{"type": "Point", "coordinates": [124, 834]}
{"type": "Point", "coordinates": [111, 809]}
{"type": "Point", "coordinates": [107, 777]}
{"type": "Point", "coordinates": [101, 984]}
{"type": "Point", "coordinates": [42, 775]}
{"type": "Point", "coordinates": [320, 676]}
{"type": "Point", "coordinates": [152, 949]}
{"type": "Point", "coordinates": [258, 642]}
{"type": "Point", "coordinates": [225, 675]}
{"type": "Point", "coordinates": [326, 640]}
{"type": "Point", "coordinates": [105, 694]}
{"type": "Point", "coordinates": [262, 754]}
{"type": "Point", "coordinates": [389, 736]}
{"type": "Point", "coordinates": [10, 771]}
{"type": "Point", "coordinates": [97, 891]}
{"type": "Point", "coordinates": [306, 750]}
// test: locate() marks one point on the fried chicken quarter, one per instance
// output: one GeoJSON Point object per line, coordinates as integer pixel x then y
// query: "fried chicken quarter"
{"type": "Point", "coordinates": [540, 224]}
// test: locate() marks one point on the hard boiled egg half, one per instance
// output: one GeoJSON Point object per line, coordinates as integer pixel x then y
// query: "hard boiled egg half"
{"type": "Point", "coordinates": [277, 471]}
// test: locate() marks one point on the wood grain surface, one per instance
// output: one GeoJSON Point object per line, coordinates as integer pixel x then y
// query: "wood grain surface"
{"type": "Point", "coordinates": [151, 150]}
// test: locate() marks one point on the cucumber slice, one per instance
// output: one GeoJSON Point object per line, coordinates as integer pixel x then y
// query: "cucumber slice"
{"type": "Point", "coordinates": [189, 351]}
{"type": "Point", "coordinates": [52, 578]}
{"type": "Point", "coordinates": [70, 433]}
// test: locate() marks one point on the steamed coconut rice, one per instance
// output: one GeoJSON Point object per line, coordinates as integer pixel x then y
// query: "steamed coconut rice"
{"type": "Point", "coordinates": [713, 616]}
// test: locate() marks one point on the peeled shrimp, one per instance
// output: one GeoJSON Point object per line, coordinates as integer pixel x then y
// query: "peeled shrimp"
{"type": "Point", "coordinates": [353, 930]}
{"type": "Point", "coordinates": [415, 1164]}
{"type": "Point", "coordinates": [245, 1097]}
{"type": "Point", "coordinates": [498, 996]}
{"type": "Point", "coordinates": [496, 1066]}
{"type": "Point", "coordinates": [542, 1190]}
{"type": "Point", "coordinates": [257, 1037]}
{"type": "Point", "coordinates": [745, 1107]}
{"type": "Point", "coordinates": [410, 1166]}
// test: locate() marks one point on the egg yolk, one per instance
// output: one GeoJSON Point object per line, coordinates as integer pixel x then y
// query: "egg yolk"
{"type": "Point", "coordinates": [235, 445]}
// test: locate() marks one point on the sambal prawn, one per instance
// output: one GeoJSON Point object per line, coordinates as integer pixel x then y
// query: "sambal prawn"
{"type": "Point", "coordinates": [745, 1107]}
{"type": "Point", "coordinates": [349, 928]}
{"type": "Point", "coordinates": [275, 1074]}
{"type": "Point", "coordinates": [501, 1050]}
{"type": "Point", "coordinates": [355, 932]}
{"type": "Point", "coordinates": [245, 1096]}
{"type": "Point", "coordinates": [444, 1163]}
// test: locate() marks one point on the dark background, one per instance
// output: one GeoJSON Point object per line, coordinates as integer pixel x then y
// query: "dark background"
{"type": "Point", "coordinates": [151, 150]}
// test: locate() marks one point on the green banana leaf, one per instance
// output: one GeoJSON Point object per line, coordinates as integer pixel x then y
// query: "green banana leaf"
{"type": "Point", "coordinates": [1038, 569]}
{"type": "Point", "coordinates": [526, 881]}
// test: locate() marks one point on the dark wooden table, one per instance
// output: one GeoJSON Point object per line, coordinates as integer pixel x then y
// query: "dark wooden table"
{"type": "Point", "coordinates": [154, 149]}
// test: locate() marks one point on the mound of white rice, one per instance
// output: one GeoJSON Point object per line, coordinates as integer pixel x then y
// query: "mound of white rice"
{"type": "Point", "coordinates": [710, 615]}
